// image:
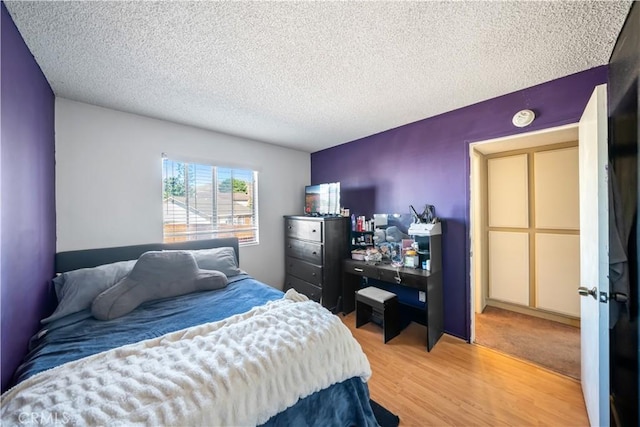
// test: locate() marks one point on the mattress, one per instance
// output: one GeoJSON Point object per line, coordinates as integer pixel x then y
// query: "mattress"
{"type": "Point", "coordinates": [80, 335]}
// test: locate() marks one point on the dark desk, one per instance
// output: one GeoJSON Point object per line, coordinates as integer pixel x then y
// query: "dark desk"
{"type": "Point", "coordinates": [429, 282]}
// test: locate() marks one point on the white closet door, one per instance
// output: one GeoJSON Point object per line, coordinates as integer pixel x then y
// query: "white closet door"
{"type": "Point", "coordinates": [508, 182]}
{"type": "Point", "coordinates": [556, 189]}
{"type": "Point", "coordinates": [558, 273]}
{"type": "Point", "coordinates": [509, 267]}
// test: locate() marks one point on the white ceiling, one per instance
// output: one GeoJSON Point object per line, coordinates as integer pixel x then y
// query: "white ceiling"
{"type": "Point", "coordinates": [309, 75]}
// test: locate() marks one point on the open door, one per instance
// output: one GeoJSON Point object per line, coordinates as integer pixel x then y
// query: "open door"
{"type": "Point", "coordinates": [594, 258]}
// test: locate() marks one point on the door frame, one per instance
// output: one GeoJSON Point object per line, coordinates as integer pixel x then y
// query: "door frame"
{"type": "Point", "coordinates": [478, 271]}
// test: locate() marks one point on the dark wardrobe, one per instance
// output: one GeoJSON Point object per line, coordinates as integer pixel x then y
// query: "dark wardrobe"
{"type": "Point", "coordinates": [624, 97]}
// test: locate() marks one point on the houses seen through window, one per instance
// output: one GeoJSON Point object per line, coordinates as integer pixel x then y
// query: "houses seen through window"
{"type": "Point", "coordinates": [202, 201]}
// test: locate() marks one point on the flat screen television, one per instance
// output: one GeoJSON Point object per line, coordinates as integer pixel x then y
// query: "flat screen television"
{"type": "Point", "coordinates": [322, 199]}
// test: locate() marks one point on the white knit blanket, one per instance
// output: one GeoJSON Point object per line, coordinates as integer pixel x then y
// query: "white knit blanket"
{"type": "Point", "coordinates": [238, 371]}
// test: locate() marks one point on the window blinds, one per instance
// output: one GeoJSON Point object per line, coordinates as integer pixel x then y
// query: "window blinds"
{"type": "Point", "coordinates": [203, 201]}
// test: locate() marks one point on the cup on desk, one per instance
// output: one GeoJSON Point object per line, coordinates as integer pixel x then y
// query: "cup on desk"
{"type": "Point", "coordinates": [426, 265]}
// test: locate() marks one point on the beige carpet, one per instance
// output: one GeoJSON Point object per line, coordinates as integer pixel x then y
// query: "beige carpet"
{"type": "Point", "coordinates": [550, 344]}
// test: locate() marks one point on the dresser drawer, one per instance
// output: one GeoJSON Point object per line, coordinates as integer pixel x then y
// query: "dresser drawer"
{"type": "Point", "coordinates": [416, 280]}
{"type": "Point", "coordinates": [313, 292]}
{"type": "Point", "coordinates": [304, 250]}
{"type": "Point", "coordinates": [301, 229]}
{"type": "Point", "coordinates": [303, 270]}
{"type": "Point", "coordinates": [360, 268]}
{"type": "Point", "coordinates": [411, 277]}
{"type": "Point", "coordinates": [387, 276]}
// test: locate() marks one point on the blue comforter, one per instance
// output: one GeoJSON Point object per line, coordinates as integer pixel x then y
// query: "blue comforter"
{"type": "Point", "coordinates": [79, 335]}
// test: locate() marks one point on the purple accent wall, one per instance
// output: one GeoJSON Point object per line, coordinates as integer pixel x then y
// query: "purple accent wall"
{"type": "Point", "coordinates": [428, 162]}
{"type": "Point", "coordinates": [27, 178]}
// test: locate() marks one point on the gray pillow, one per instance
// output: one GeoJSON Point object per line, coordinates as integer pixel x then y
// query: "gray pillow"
{"type": "Point", "coordinates": [77, 289]}
{"type": "Point", "coordinates": [156, 275]}
{"type": "Point", "coordinates": [220, 259]}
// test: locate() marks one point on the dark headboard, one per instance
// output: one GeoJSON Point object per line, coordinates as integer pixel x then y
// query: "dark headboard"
{"type": "Point", "coordinates": [73, 260]}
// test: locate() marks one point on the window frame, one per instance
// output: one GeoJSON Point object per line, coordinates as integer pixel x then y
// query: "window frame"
{"type": "Point", "coordinates": [212, 229]}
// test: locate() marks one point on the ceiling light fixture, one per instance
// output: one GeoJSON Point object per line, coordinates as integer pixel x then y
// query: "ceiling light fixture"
{"type": "Point", "coordinates": [523, 118]}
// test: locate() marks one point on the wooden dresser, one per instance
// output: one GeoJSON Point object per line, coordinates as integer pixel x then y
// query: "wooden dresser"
{"type": "Point", "coordinates": [314, 250]}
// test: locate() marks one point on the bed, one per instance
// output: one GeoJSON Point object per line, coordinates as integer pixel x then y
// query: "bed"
{"type": "Point", "coordinates": [240, 354]}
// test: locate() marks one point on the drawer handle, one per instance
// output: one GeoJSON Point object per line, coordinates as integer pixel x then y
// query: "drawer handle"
{"type": "Point", "coordinates": [314, 253]}
{"type": "Point", "coordinates": [313, 231]}
{"type": "Point", "coordinates": [289, 246]}
{"type": "Point", "coordinates": [290, 227]}
{"type": "Point", "coordinates": [313, 274]}
{"type": "Point", "coordinates": [359, 270]}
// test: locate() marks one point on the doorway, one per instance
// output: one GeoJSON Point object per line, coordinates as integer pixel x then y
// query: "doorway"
{"type": "Point", "coordinates": [525, 247]}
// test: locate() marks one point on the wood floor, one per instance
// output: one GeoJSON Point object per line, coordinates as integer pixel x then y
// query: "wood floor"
{"type": "Point", "coordinates": [461, 384]}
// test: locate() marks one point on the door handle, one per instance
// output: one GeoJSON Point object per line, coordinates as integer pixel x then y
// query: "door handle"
{"type": "Point", "coordinates": [584, 291]}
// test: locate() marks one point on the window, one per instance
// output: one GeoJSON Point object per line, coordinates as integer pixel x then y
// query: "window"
{"type": "Point", "coordinates": [205, 202]}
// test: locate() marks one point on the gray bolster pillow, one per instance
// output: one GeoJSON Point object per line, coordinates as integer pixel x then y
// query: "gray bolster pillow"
{"type": "Point", "coordinates": [156, 275]}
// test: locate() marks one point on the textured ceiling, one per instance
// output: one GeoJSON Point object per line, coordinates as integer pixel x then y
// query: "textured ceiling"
{"type": "Point", "coordinates": [309, 75]}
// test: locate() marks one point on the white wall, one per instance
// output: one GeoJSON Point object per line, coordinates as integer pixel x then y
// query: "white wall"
{"type": "Point", "coordinates": [109, 181]}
